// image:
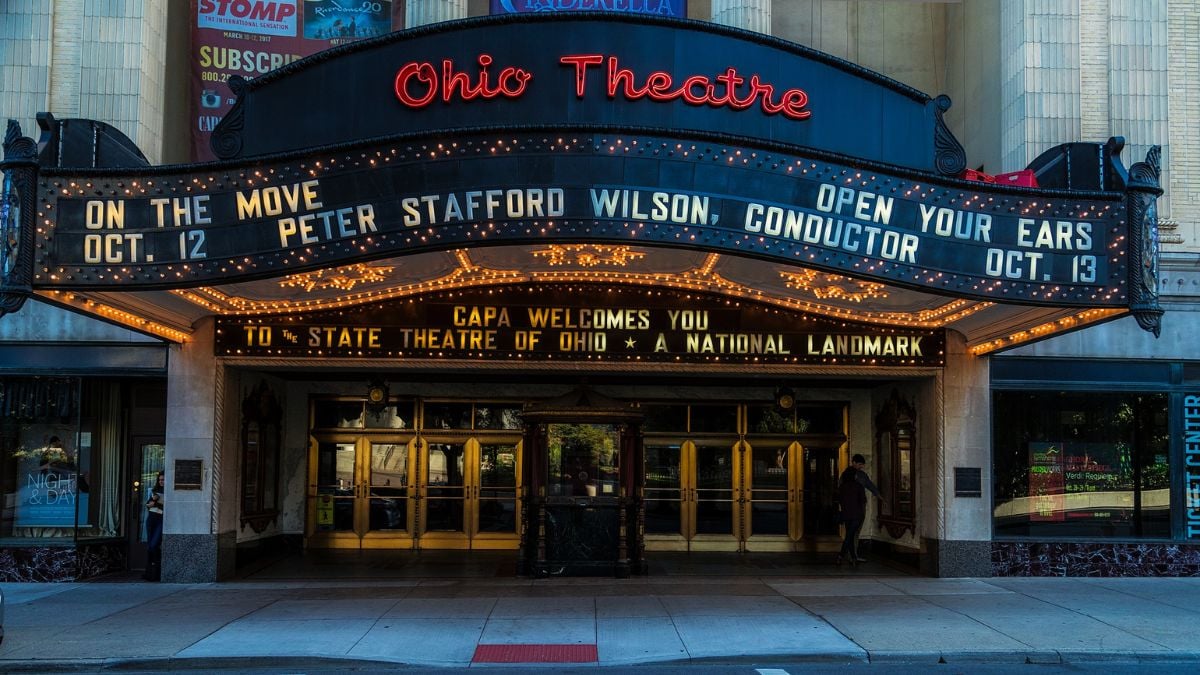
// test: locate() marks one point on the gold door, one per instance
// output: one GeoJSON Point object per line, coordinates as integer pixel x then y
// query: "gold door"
{"type": "Point", "coordinates": [715, 520]}
{"type": "Point", "coordinates": [666, 494]}
{"type": "Point", "coordinates": [771, 493]}
{"type": "Point", "coordinates": [388, 487]}
{"type": "Point", "coordinates": [468, 492]}
{"type": "Point", "coordinates": [691, 495]}
{"type": "Point", "coordinates": [359, 492]}
{"type": "Point", "coordinates": [494, 507]}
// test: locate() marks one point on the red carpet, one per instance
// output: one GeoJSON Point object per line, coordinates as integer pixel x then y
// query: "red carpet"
{"type": "Point", "coordinates": [535, 654]}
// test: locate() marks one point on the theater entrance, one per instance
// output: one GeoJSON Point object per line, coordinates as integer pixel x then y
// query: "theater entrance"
{"type": "Point", "coordinates": [738, 478]}
{"type": "Point", "coordinates": [436, 475]}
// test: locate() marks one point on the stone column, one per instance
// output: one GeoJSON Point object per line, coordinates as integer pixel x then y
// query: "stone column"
{"type": "Point", "coordinates": [421, 12]}
{"type": "Point", "coordinates": [195, 549]}
{"type": "Point", "coordinates": [957, 531]}
{"type": "Point", "coordinates": [752, 15]}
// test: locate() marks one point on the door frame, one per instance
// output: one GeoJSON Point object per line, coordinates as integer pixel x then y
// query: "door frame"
{"type": "Point", "coordinates": [360, 536]}
{"type": "Point", "coordinates": [135, 516]}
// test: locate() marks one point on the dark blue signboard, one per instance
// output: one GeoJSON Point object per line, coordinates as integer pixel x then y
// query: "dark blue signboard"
{"type": "Point", "coordinates": [675, 8]}
{"type": "Point", "coordinates": [587, 72]}
{"type": "Point", "coordinates": [227, 224]}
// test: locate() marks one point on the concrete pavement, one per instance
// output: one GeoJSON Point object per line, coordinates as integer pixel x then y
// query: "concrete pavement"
{"type": "Point", "coordinates": [443, 622]}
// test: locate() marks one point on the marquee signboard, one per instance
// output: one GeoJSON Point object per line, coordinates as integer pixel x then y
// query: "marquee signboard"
{"type": "Point", "coordinates": [554, 323]}
{"type": "Point", "coordinates": [476, 190]}
{"type": "Point", "coordinates": [578, 128]}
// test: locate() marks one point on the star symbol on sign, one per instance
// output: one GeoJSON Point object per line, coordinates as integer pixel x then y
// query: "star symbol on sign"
{"type": "Point", "coordinates": [629, 343]}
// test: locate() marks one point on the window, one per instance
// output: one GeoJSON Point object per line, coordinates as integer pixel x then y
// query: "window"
{"type": "Point", "coordinates": [261, 437]}
{"type": "Point", "coordinates": [62, 442]}
{"type": "Point", "coordinates": [1086, 464]}
{"type": "Point", "coordinates": [583, 460]}
{"type": "Point", "coordinates": [895, 445]}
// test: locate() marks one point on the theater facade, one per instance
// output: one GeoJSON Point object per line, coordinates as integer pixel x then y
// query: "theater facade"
{"type": "Point", "coordinates": [589, 287]}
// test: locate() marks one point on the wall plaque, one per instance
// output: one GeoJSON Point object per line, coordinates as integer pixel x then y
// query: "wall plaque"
{"type": "Point", "coordinates": [189, 474]}
{"type": "Point", "coordinates": [968, 481]}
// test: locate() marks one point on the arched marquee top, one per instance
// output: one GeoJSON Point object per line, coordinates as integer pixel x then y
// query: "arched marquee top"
{"type": "Point", "coordinates": [584, 70]}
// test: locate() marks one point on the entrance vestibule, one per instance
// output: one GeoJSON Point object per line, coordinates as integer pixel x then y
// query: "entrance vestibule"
{"type": "Point", "coordinates": [386, 478]}
{"type": "Point", "coordinates": [426, 474]}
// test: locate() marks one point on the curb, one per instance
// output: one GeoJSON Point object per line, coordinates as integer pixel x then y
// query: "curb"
{"type": "Point", "coordinates": [175, 663]}
{"type": "Point", "coordinates": [1030, 657]}
{"type": "Point", "coordinates": [895, 657]}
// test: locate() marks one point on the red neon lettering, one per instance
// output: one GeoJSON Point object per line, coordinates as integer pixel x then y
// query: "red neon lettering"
{"type": "Point", "coordinates": [424, 73]}
{"type": "Point", "coordinates": [511, 82]}
{"type": "Point", "coordinates": [719, 91]}
{"type": "Point", "coordinates": [581, 63]}
{"type": "Point", "coordinates": [697, 81]}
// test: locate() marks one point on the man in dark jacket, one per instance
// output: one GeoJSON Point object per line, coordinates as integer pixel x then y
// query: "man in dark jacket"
{"type": "Point", "coordinates": [852, 495]}
{"type": "Point", "coordinates": [852, 498]}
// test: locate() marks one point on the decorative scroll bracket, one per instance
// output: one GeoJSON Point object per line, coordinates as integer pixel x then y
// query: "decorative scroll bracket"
{"type": "Point", "coordinates": [1141, 202]}
{"type": "Point", "coordinates": [226, 140]}
{"type": "Point", "coordinates": [20, 169]}
{"type": "Point", "coordinates": [949, 156]}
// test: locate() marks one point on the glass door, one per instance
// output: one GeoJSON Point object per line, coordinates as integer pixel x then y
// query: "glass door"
{"type": "Point", "coordinates": [444, 493]}
{"type": "Point", "coordinates": [716, 475]}
{"type": "Point", "coordinates": [469, 492]}
{"type": "Point", "coordinates": [773, 488]}
{"type": "Point", "coordinates": [359, 492]}
{"type": "Point", "coordinates": [666, 491]}
{"type": "Point", "coordinates": [333, 493]}
{"type": "Point", "coordinates": [820, 515]}
{"type": "Point", "coordinates": [388, 493]}
{"type": "Point", "coordinates": [149, 459]}
{"type": "Point", "coordinates": [494, 502]}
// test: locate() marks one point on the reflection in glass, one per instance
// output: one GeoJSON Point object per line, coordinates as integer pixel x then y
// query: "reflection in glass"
{"type": "Point", "coordinates": [397, 416]}
{"type": "Point", "coordinates": [335, 487]}
{"type": "Point", "coordinates": [498, 487]}
{"type": "Point", "coordinates": [153, 460]}
{"type": "Point", "coordinates": [662, 488]}
{"type": "Point", "coordinates": [904, 498]}
{"type": "Point", "coordinates": [442, 415]}
{"type": "Point", "coordinates": [583, 460]}
{"type": "Point", "coordinates": [1081, 464]}
{"type": "Point", "coordinates": [338, 414]}
{"type": "Point", "coordinates": [884, 459]}
{"type": "Point", "coordinates": [769, 490]}
{"type": "Point", "coordinates": [769, 419]}
{"type": "Point", "coordinates": [445, 492]}
{"type": "Point", "coordinates": [497, 416]}
{"type": "Point", "coordinates": [714, 489]}
{"type": "Point", "coordinates": [389, 486]}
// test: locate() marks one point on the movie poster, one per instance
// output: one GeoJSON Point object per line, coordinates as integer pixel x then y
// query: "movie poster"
{"type": "Point", "coordinates": [52, 484]}
{"type": "Point", "coordinates": [253, 37]}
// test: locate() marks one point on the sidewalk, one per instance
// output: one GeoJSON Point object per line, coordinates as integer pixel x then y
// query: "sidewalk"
{"type": "Point", "coordinates": [443, 622]}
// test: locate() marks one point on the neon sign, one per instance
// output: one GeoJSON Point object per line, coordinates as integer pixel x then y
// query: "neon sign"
{"type": "Point", "coordinates": [419, 83]}
{"type": "Point", "coordinates": [696, 89]}
{"type": "Point", "coordinates": [511, 82]}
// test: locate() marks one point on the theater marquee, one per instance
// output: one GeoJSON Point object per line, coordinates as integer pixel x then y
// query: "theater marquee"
{"type": "Point", "coordinates": [574, 128]}
{"type": "Point", "coordinates": [555, 323]}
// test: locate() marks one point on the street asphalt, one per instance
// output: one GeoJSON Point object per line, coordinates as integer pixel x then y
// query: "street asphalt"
{"type": "Point", "coordinates": [462, 622]}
